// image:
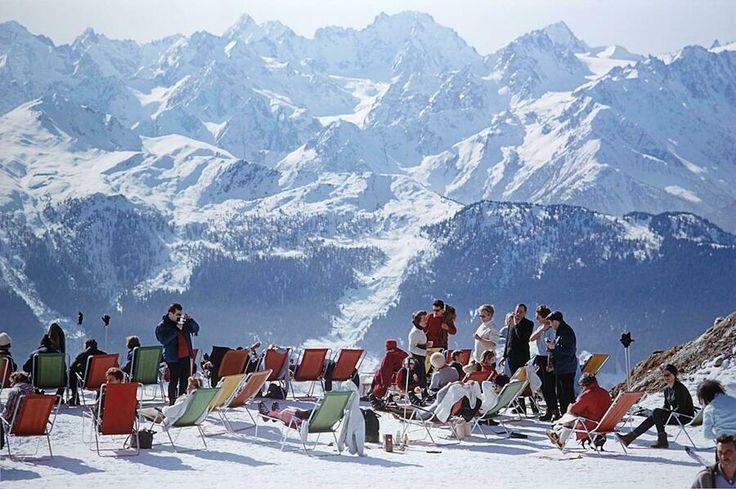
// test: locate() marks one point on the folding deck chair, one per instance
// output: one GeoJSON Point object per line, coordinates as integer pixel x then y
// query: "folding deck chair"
{"type": "Point", "coordinates": [504, 401]}
{"type": "Point", "coordinates": [49, 371]}
{"type": "Point", "coordinates": [32, 417]}
{"type": "Point", "coordinates": [346, 364]}
{"type": "Point", "coordinates": [325, 418]}
{"type": "Point", "coordinates": [254, 383]}
{"type": "Point", "coordinates": [697, 420]}
{"type": "Point", "coordinates": [610, 419]}
{"type": "Point", "coordinates": [275, 361]}
{"type": "Point", "coordinates": [94, 373]}
{"type": "Point", "coordinates": [229, 386]}
{"type": "Point", "coordinates": [595, 363]}
{"type": "Point", "coordinates": [115, 414]}
{"type": "Point", "coordinates": [309, 369]}
{"type": "Point", "coordinates": [195, 413]}
{"type": "Point", "coordinates": [145, 369]}
{"type": "Point", "coordinates": [233, 363]}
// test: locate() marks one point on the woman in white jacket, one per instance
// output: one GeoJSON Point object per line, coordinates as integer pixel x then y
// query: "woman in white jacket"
{"type": "Point", "coordinates": [719, 413]}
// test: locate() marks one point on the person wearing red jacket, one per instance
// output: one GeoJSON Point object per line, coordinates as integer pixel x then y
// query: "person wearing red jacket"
{"type": "Point", "coordinates": [390, 364]}
{"type": "Point", "coordinates": [591, 404]}
{"type": "Point", "coordinates": [440, 324]}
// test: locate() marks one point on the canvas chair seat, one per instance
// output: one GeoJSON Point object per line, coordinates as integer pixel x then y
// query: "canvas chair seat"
{"type": "Point", "coordinates": [32, 417]}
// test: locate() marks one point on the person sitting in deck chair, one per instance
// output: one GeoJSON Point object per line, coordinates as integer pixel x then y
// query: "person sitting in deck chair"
{"type": "Point", "coordinates": [170, 414]}
{"type": "Point", "coordinates": [113, 375]}
{"type": "Point", "coordinates": [591, 404]}
{"type": "Point", "coordinates": [385, 375]}
{"type": "Point", "coordinates": [677, 400]}
{"type": "Point", "coordinates": [20, 385]}
{"type": "Point", "coordinates": [79, 367]}
{"type": "Point", "coordinates": [131, 343]}
{"type": "Point", "coordinates": [289, 416]}
{"type": "Point", "coordinates": [443, 373]}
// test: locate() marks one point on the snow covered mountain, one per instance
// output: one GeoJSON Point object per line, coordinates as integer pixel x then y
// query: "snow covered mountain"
{"type": "Point", "coordinates": [260, 174]}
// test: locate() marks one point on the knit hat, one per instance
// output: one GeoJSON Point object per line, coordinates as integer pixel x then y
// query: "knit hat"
{"type": "Point", "coordinates": [669, 367]}
{"type": "Point", "coordinates": [5, 339]}
{"type": "Point", "coordinates": [437, 360]}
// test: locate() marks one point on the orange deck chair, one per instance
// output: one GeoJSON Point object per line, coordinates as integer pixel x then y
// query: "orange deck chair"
{"type": "Point", "coordinates": [309, 369]}
{"type": "Point", "coordinates": [233, 363]}
{"type": "Point", "coordinates": [611, 418]}
{"type": "Point", "coordinates": [347, 363]}
{"type": "Point", "coordinates": [117, 415]}
{"type": "Point", "coordinates": [94, 373]}
{"type": "Point", "coordinates": [274, 360]}
{"type": "Point", "coordinates": [32, 417]}
{"type": "Point", "coordinates": [253, 385]}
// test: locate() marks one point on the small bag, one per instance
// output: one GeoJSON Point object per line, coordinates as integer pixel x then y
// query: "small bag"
{"type": "Point", "coordinates": [372, 426]}
{"type": "Point", "coordinates": [145, 437]}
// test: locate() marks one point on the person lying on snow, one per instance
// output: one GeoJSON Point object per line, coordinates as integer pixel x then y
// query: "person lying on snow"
{"type": "Point", "coordinates": [591, 404]}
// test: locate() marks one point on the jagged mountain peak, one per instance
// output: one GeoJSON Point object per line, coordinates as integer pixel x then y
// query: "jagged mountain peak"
{"type": "Point", "coordinates": [562, 35]}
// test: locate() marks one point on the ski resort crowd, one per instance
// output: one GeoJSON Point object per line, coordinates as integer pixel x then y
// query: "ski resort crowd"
{"type": "Point", "coordinates": [429, 383]}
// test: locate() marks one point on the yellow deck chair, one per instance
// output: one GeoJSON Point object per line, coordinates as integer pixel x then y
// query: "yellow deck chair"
{"type": "Point", "coordinates": [595, 363]}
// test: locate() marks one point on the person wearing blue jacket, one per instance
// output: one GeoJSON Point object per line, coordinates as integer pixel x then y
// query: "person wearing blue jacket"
{"type": "Point", "coordinates": [719, 413]}
{"type": "Point", "coordinates": [175, 332]}
{"type": "Point", "coordinates": [563, 356]}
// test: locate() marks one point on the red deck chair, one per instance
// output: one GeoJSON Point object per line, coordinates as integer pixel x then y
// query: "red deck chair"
{"type": "Point", "coordinates": [274, 360]}
{"type": "Point", "coordinates": [253, 385]}
{"type": "Point", "coordinates": [611, 418]}
{"type": "Point", "coordinates": [117, 414]}
{"type": "Point", "coordinates": [347, 363]}
{"type": "Point", "coordinates": [309, 369]}
{"type": "Point", "coordinates": [464, 357]}
{"type": "Point", "coordinates": [31, 418]}
{"type": "Point", "coordinates": [95, 370]}
{"type": "Point", "coordinates": [233, 363]}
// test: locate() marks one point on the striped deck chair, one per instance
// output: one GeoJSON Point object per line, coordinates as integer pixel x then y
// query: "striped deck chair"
{"type": "Point", "coordinates": [505, 400]}
{"type": "Point", "coordinates": [309, 369]}
{"type": "Point", "coordinates": [253, 385]}
{"type": "Point", "coordinates": [32, 417]}
{"type": "Point", "coordinates": [94, 373]}
{"type": "Point", "coordinates": [610, 419]}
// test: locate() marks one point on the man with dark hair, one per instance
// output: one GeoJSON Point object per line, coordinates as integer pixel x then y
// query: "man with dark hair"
{"type": "Point", "coordinates": [719, 413]}
{"type": "Point", "coordinates": [723, 473]}
{"type": "Point", "coordinates": [516, 352]}
{"type": "Point", "coordinates": [438, 327]}
{"type": "Point", "coordinates": [563, 354]}
{"type": "Point", "coordinates": [538, 341]}
{"type": "Point", "coordinates": [79, 366]}
{"type": "Point", "coordinates": [175, 332]}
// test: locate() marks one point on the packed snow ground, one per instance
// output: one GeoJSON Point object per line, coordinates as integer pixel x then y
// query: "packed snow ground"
{"type": "Point", "coordinates": [244, 459]}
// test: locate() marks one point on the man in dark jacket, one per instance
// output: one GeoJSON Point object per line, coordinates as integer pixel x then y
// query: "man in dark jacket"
{"type": "Point", "coordinates": [516, 352]}
{"type": "Point", "coordinates": [79, 366]}
{"type": "Point", "coordinates": [677, 402]}
{"type": "Point", "coordinates": [44, 347]}
{"type": "Point", "coordinates": [175, 332]}
{"type": "Point", "coordinates": [563, 355]}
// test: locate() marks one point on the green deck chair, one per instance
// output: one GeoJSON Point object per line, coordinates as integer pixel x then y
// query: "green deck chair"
{"type": "Point", "coordinates": [505, 399]}
{"type": "Point", "coordinates": [49, 371]}
{"type": "Point", "coordinates": [198, 406]}
{"type": "Point", "coordinates": [325, 417]}
{"type": "Point", "coordinates": [145, 368]}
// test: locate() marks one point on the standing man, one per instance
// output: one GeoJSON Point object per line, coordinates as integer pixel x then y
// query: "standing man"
{"type": "Point", "coordinates": [516, 352]}
{"type": "Point", "coordinates": [438, 327]}
{"type": "Point", "coordinates": [175, 334]}
{"type": "Point", "coordinates": [538, 342]}
{"type": "Point", "coordinates": [563, 354]}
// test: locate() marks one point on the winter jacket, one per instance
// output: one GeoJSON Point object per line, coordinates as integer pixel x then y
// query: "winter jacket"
{"type": "Point", "coordinates": [711, 477]}
{"type": "Point", "coordinates": [564, 355]}
{"type": "Point", "coordinates": [436, 334]}
{"type": "Point", "coordinates": [28, 366]}
{"type": "Point", "coordinates": [352, 429]}
{"type": "Point", "coordinates": [591, 404]}
{"type": "Point", "coordinates": [166, 333]}
{"type": "Point", "coordinates": [442, 377]}
{"type": "Point", "coordinates": [14, 396]}
{"type": "Point", "coordinates": [79, 365]}
{"type": "Point", "coordinates": [128, 362]}
{"type": "Point", "coordinates": [390, 365]}
{"type": "Point", "coordinates": [516, 351]}
{"type": "Point", "coordinates": [719, 417]}
{"type": "Point", "coordinates": [678, 399]}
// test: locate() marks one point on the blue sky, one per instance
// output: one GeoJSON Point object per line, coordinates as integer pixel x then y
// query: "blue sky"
{"type": "Point", "coordinates": [644, 26]}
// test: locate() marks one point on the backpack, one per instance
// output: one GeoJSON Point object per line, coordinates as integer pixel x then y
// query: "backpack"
{"type": "Point", "coordinates": [372, 426]}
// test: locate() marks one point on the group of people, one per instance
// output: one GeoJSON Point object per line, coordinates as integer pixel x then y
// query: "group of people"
{"type": "Point", "coordinates": [552, 347]}
{"type": "Point", "coordinates": [430, 379]}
